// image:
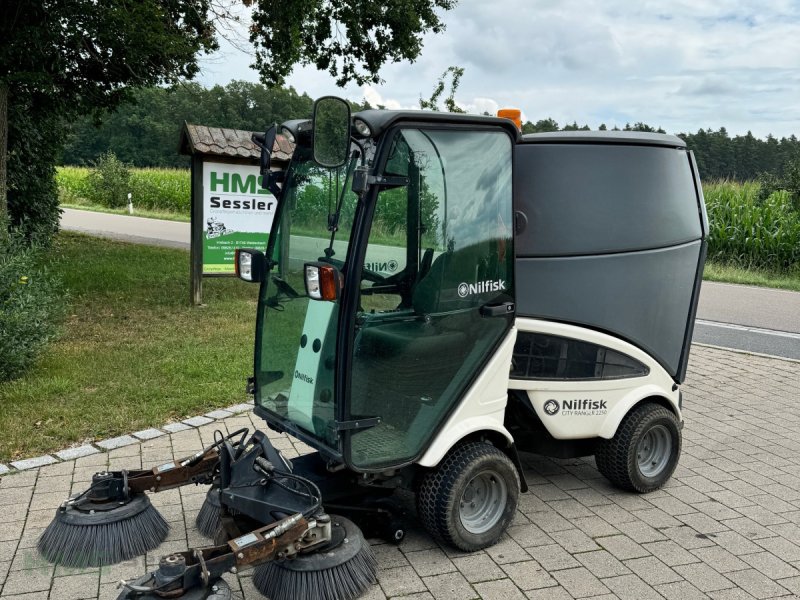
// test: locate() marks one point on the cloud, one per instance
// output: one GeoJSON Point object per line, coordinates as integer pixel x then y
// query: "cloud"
{"type": "Point", "coordinates": [685, 65]}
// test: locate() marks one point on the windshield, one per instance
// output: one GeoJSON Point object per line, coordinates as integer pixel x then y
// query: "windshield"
{"type": "Point", "coordinates": [296, 338]}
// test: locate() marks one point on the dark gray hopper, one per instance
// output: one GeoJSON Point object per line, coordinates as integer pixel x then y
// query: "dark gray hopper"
{"type": "Point", "coordinates": [611, 236]}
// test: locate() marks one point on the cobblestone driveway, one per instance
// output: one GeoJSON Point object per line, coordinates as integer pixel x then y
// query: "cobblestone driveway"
{"type": "Point", "coordinates": [726, 526]}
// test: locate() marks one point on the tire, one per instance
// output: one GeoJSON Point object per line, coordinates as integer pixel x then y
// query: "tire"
{"type": "Point", "coordinates": [469, 500]}
{"type": "Point", "coordinates": [644, 452]}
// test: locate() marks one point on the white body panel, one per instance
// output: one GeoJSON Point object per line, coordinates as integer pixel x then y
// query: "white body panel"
{"type": "Point", "coordinates": [594, 408]}
{"type": "Point", "coordinates": [482, 408]}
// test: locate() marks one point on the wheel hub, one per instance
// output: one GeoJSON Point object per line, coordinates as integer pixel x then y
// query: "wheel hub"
{"type": "Point", "coordinates": [483, 502]}
{"type": "Point", "coordinates": [654, 450]}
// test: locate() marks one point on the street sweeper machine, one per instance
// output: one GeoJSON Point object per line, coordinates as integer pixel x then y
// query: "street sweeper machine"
{"type": "Point", "coordinates": [439, 293]}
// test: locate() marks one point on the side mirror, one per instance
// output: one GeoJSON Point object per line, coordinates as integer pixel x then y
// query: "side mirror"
{"type": "Point", "coordinates": [331, 130]}
{"type": "Point", "coordinates": [266, 142]}
{"type": "Point", "coordinates": [250, 265]}
{"type": "Point", "coordinates": [323, 281]}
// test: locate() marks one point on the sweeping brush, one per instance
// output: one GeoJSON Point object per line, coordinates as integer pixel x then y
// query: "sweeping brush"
{"type": "Point", "coordinates": [95, 538]}
{"type": "Point", "coordinates": [209, 518]}
{"type": "Point", "coordinates": [342, 572]}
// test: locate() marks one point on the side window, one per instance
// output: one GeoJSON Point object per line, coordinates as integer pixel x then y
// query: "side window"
{"type": "Point", "coordinates": [550, 357]}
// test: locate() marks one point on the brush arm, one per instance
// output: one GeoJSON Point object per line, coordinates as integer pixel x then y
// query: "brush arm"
{"type": "Point", "coordinates": [182, 571]}
{"type": "Point", "coordinates": [194, 469]}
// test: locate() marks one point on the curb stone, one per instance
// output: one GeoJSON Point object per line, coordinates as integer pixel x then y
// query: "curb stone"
{"type": "Point", "coordinates": [32, 463]}
{"type": "Point", "coordinates": [69, 454]}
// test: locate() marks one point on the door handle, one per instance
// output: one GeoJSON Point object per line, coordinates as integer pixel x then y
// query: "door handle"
{"type": "Point", "coordinates": [497, 310]}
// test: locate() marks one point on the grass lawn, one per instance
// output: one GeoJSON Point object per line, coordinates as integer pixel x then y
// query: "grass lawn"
{"type": "Point", "coordinates": [133, 354]}
{"type": "Point", "coordinates": [731, 274]}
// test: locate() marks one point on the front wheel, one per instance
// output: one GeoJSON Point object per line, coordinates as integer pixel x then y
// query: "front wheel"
{"type": "Point", "coordinates": [469, 500]}
{"type": "Point", "coordinates": [644, 452]}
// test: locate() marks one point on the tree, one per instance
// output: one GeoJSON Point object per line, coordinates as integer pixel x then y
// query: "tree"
{"type": "Point", "coordinates": [351, 39]}
{"type": "Point", "coordinates": [449, 103]}
{"type": "Point", "coordinates": [61, 58]}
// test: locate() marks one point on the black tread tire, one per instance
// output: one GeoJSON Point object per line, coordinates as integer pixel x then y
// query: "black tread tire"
{"type": "Point", "coordinates": [440, 492]}
{"type": "Point", "coordinates": [616, 458]}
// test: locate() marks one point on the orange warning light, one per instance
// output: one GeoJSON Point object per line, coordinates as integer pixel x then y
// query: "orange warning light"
{"type": "Point", "coordinates": [512, 114]}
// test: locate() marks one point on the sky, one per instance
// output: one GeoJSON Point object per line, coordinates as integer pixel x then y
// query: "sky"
{"type": "Point", "coordinates": [681, 65]}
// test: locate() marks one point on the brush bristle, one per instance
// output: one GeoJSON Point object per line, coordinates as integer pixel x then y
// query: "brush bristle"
{"type": "Point", "coordinates": [208, 519]}
{"type": "Point", "coordinates": [346, 581]}
{"type": "Point", "coordinates": [97, 545]}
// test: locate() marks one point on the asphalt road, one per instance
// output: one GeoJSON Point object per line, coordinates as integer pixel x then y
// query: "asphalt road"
{"type": "Point", "coordinates": [747, 318]}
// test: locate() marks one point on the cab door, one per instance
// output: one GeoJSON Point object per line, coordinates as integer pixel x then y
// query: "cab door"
{"type": "Point", "coordinates": [437, 288]}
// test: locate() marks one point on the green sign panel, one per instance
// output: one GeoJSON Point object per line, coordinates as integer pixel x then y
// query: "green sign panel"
{"type": "Point", "coordinates": [237, 213]}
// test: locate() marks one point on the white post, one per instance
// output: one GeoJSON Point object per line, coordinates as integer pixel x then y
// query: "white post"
{"type": "Point", "coordinates": [130, 203]}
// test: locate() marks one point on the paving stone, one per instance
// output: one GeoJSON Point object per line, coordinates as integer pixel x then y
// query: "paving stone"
{"type": "Point", "coordinates": [622, 547]}
{"type": "Point", "coordinates": [553, 557]}
{"type": "Point", "coordinates": [400, 581]}
{"type": "Point", "coordinates": [703, 577]}
{"type": "Point", "coordinates": [148, 434]}
{"type": "Point", "coordinates": [631, 587]}
{"type": "Point", "coordinates": [528, 575]}
{"type": "Point", "coordinates": [29, 580]}
{"type": "Point", "coordinates": [602, 563]}
{"type": "Point", "coordinates": [757, 584]}
{"type": "Point", "coordinates": [553, 593]}
{"type": "Point", "coordinates": [197, 421]}
{"type": "Point", "coordinates": [720, 559]}
{"type": "Point", "coordinates": [75, 587]}
{"type": "Point", "coordinates": [770, 565]}
{"type": "Point", "coordinates": [117, 442]}
{"type": "Point", "coordinates": [430, 562]}
{"type": "Point", "coordinates": [77, 452]}
{"type": "Point", "coordinates": [680, 590]}
{"type": "Point", "coordinates": [239, 408]}
{"type": "Point", "coordinates": [450, 586]}
{"type": "Point", "coordinates": [580, 582]}
{"type": "Point", "coordinates": [218, 414]}
{"type": "Point", "coordinates": [652, 570]}
{"type": "Point", "coordinates": [32, 463]}
{"type": "Point", "coordinates": [478, 567]}
{"type": "Point", "coordinates": [4, 469]}
{"type": "Point", "coordinates": [502, 589]}
{"type": "Point", "coordinates": [175, 427]}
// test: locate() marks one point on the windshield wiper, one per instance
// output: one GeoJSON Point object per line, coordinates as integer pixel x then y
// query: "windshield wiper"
{"type": "Point", "coordinates": [333, 218]}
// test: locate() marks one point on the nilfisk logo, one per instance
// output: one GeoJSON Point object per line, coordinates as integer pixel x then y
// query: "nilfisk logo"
{"type": "Point", "coordinates": [480, 287]}
{"type": "Point", "coordinates": [584, 407]}
{"type": "Point", "coordinates": [551, 407]}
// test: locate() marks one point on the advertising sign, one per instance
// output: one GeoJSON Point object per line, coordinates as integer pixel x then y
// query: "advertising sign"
{"type": "Point", "coordinates": [237, 213]}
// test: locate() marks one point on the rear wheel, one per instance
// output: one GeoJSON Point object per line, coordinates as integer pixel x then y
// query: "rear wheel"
{"type": "Point", "coordinates": [644, 452]}
{"type": "Point", "coordinates": [469, 500]}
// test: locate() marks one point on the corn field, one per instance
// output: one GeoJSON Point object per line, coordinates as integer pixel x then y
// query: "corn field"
{"type": "Point", "coordinates": [743, 230]}
{"type": "Point", "coordinates": [747, 232]}
{"type": "Point", "coordinates": [153, 189]}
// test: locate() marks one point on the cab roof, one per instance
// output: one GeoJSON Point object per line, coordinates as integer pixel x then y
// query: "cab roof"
{"type": "Point", "coordinates": [381, 120]}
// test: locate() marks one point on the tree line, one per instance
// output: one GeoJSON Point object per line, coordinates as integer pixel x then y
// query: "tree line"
{"type": "Point", "coordinates": [144, 132]}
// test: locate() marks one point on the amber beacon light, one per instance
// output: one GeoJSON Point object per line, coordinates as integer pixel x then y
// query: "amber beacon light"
{"type": "Point", "coordinates": [512, 114]}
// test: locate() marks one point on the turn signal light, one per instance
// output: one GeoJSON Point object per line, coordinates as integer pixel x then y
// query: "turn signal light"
{"type": "Point", "coordinates": [323, 282]}
{"type": "Point", "coordinates": [512, 114]}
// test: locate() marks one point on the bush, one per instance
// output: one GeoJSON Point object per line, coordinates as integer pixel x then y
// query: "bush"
{"type": "Point", "coordinates": [31, 302]}
{"type": "Point", "coordinates": [109, 181]}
